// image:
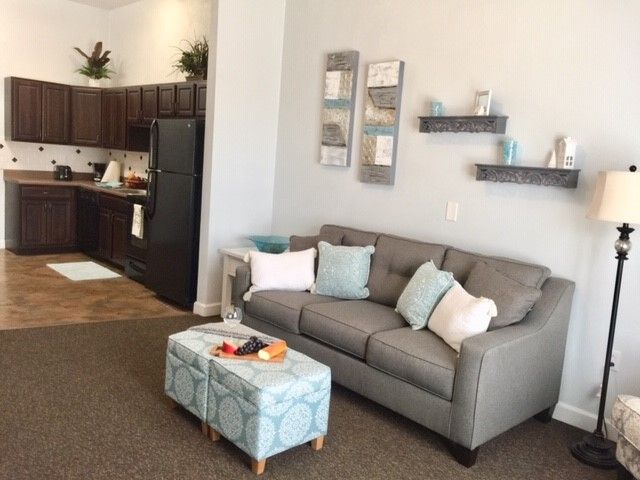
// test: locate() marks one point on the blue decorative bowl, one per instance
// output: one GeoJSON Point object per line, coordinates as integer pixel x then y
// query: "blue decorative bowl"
{"type": "Point", "coordinates": [270, 243]}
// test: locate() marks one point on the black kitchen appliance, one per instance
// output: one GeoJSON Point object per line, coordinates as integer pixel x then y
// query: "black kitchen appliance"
{"type": "Point", "coordinates": [98, 171]}
{"type": "Point", "coordinates": [135, 263]}
{"type": "Point", "coordinates": [173, 208]}
{"type": "Point", "coordinates": [62, 172]}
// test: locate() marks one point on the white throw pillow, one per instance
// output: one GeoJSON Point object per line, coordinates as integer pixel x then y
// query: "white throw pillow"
{"type": "Point", "coordinates": [292, 271]}
{"type": "Point", "coordinates": [460, 315]}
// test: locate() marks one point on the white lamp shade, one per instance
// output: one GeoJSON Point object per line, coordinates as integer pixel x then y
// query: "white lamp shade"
{"type": "Point", "coordinates": [617, 197]}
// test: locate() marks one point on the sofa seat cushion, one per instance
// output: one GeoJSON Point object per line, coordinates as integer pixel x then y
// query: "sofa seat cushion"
{"type": "Point", "coordinates": [419, 357]}
{"type": "Point", "coordinates": [282, 308]}
{"type": "Point", "coordinates": [348, 325]}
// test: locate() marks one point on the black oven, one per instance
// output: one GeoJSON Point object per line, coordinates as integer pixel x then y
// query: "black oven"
{"type": "Point", "coordinates": [135, 264]}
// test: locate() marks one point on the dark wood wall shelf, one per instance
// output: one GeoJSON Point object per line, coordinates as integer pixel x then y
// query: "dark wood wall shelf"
{"type": "Point", "coordinates": [548, 177]}
{"type": "Point", "coordinates": [465, 123]}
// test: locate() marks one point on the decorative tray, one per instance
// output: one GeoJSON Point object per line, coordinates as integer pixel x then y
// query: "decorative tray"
{"type": "Point", "coordinates": [216, 351]}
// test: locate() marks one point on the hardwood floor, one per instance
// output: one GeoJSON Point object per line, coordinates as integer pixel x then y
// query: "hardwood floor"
{"type": "Point", "coordinates": [33, 295]}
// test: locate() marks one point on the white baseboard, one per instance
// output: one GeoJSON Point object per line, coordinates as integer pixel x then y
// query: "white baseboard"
{"type": "Point", "coordinates": [206, 309]}
{"type": "Point", "coordinates": [582, 419]}
{"type": "Point", "coordinates": [2, 244]}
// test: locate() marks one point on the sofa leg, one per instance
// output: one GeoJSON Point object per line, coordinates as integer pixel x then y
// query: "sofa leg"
{"type": "Point", "coordinates": [546, 415]}
{"type": "Point", "coordinates": [464, 456]}
{"type": "Point", "coordinates": [624, 474]}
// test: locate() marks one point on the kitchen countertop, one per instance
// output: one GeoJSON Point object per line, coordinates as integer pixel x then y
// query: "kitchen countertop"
{"type": "Point", "coordinates": [39, 177]}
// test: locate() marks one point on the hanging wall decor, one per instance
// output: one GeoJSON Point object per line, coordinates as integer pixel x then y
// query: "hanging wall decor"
{"type": "Point", "coordinates": [381, 120]}
{"type": "Point", "coordinates": [337, 113]}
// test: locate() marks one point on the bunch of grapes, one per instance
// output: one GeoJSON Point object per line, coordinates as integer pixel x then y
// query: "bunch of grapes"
{"type": "Point", "coordinates": [253, 345]}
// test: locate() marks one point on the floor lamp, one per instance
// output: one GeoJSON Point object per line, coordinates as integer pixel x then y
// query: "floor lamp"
{"type": "Point", "coordinates": [617, 199]}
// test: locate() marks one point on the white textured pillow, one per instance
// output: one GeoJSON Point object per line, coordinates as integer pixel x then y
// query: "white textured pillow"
{"type": "Point", "coordinates": [292, 271]}
{"type": "Point", "coordinates": [460, 315]}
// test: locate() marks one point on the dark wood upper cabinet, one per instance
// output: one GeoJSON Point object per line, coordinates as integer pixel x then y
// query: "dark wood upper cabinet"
{"type": "Point", "coordinates": [86, 116]}
{"type": "Point", "coordinates": [201, 99]}
{"type": "Point", "coordinates": [166, 100]}
{"type": "Point", "coordinates": [25, 101]}
{"type": "Point", "coordinates": [149, 103]}
{"type": "Point", "coordinates": [134, 104]}
{"type": "Point", "coordinates": [114, 118]}
{"type": "Point", "coordinates": [56, 113]}
{"type": "Point", "coordinates": [185, 99]}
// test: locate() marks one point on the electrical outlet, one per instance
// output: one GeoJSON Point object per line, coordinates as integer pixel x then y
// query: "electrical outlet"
{"type": "Point", "coordinates": [452, 212]}
{"type": "Point", "coordinates": [616, 358]}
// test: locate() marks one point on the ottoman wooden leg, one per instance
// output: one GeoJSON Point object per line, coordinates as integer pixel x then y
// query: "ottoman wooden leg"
{"type": "Point", "coordinates": [205, 428]}
{"type": "Point", "coordinates": [214, 435]}
{"type": "Point", "coordinates": [317, 443]}
{"type": "Point", "coordinates": [257, 466]}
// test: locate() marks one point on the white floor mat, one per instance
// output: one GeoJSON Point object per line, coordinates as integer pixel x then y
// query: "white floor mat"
{"type": "Point", "coordinates": [78, 271]}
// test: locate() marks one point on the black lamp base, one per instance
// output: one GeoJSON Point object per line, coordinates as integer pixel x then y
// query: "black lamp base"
{"type": "Point", "coordinates": [595, 450]}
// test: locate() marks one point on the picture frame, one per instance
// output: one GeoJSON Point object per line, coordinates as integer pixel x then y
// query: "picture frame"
{"type": "Point", "coordinates": [483, 103]}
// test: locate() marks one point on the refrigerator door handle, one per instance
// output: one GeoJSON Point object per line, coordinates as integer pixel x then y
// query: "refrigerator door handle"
{"type": "Point", "coordinates": [151, 195]}
{"type": "Point", "coordinates": [153, 145]}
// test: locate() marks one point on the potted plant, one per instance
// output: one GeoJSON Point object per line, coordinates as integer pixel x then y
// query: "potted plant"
{"type": "Point", "coordinates": [96, 66]}
{"type": "Point", "coordinates": [194, 59]}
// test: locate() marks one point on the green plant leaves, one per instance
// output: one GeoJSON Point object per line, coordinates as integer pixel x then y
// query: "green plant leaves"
{"type": "Point", "coordinates": [96, 66]}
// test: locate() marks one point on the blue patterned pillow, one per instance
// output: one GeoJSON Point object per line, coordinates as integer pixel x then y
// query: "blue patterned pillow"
{"type": "Point", "coordinates": [423, 292]}
{"type": "Point", "coordinates": [343, 272]}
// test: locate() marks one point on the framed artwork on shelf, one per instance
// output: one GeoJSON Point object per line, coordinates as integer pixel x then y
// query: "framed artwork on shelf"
{"type": "Point", "coordinates": [381, 122]}
{"type": "Point", "coordinates": [338, 107]}
{"type": "Point", "coordinates": [483, 103]}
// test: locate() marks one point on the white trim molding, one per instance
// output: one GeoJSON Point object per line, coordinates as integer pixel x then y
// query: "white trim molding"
{"type": "Point", "coordinates": [2, 244]}
{"type": "Point", "coordinates": [582, 419]}
{"type": "Point", "coordinates": [206, 309]}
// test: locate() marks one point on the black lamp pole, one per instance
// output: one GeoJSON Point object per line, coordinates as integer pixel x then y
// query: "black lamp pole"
{"type": "Point", "coordinates": [595, 449]}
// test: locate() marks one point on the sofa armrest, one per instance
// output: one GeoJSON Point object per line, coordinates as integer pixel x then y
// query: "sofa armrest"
{"type": "Point", "coordinates": [506, 376]}
{"type": "Point", "coordinates": [241, 284]}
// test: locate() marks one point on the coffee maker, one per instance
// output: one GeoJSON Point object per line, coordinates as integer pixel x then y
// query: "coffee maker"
{"type": "Point", "coordinates": [98, 171]}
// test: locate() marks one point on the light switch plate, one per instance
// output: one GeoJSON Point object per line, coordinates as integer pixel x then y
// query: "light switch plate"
{"type": "Point", "coordinates": [452, 212]}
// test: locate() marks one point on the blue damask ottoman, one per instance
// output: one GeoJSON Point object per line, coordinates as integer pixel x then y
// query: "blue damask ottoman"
{"type": "Point", "coordinates": [266, 408]}
{"type": "Point", "coordinates": [187, 372]}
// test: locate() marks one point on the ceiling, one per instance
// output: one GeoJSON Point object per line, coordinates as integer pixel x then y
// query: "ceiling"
{"type": "Point", "coordinates": [105, 4]}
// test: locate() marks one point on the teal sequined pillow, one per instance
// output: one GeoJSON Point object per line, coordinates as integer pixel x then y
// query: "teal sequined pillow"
{"type": "Point", "coordinates": [343, 272]}
{"type": "Point", "coordinates": [423, 292]}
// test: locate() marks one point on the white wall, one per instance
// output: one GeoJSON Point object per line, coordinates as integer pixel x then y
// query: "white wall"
{"type": "Point", "coordinates": [142, 38]}
{"type": "Point", "coordinates": [241, 135]}
{"type": "Point", "coordinates": [556, 68]}
{"type": "Point", "coordinates": [37, 40]}
{"type": "Point", "coordinates": [144, 34]}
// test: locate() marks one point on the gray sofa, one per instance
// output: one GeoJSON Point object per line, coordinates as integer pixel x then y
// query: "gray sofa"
{"type": "Point", "coordinates": [500, 378]}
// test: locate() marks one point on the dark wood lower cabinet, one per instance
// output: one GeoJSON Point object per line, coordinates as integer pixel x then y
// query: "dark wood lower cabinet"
{"type": "Point", "coordinates": [88, 221]}
{"type": "Point", "coordinates": [40, 219]}
{"type": "Point", "coordinates": [114, 217]}
{"type": "Point", "coordinates": [51, 219]}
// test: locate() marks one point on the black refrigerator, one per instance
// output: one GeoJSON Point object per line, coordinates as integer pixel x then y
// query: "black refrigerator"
{"type": "Point", "coordinates": [173, 208]}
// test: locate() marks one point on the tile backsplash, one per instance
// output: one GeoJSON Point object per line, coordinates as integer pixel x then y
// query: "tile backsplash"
{"type": "Point", "coordinates": [37, 156]}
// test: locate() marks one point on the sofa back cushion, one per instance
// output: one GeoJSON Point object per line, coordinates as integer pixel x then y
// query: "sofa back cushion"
{"type": "Point", "coordinates": [297, 242]}
{"type": "Point", "coordinates": [350, 236]}
{"type": "Point", "coordinates": [460, 263]}
{"type": "Point", "coordinates": [395, 262]}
